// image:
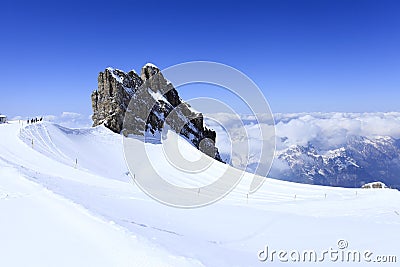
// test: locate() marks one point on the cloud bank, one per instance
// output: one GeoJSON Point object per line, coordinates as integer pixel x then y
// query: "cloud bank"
{"type": "Point", "coordinates": [326, 131]}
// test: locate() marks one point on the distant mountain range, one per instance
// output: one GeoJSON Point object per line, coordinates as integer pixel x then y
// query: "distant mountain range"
{"type": "Point", "coordinates": [335, 149]}
{"type": "Point", "coordinates": [359, 161]}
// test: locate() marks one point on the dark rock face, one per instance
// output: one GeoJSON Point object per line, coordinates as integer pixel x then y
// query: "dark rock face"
{"type": "Point", "coordinates": [110, 100]}
{"type": "Point", "coordinates": [148, 98]}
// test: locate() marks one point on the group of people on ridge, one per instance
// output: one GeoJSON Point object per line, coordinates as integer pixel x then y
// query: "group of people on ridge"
{"type": "Point", "coordinates": [34, 120]}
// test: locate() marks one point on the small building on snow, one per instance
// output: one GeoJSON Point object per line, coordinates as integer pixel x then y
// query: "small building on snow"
{"type": "Point", "coordinates": [3, 118]}
{"type": "Point", "coordinates": [374, 185]}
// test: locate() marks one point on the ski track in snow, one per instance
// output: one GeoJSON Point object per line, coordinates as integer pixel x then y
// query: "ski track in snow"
{"type": "Point", "coordinates": [99, 195]}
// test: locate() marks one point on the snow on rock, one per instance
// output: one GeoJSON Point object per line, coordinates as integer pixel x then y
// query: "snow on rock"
{"type": "Point", "coordinates": [151, 65]}
{"type": "Point", "coordinates": [151, 98]}
{"type": "Point", "coordinates": [157, 95]}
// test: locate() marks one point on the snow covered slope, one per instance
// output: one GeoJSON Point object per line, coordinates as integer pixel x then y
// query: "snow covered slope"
{"type": "Point", "coordinates": [68, 200]}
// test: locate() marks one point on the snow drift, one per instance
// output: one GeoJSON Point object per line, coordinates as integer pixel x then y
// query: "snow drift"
{"type": "Point", "coordinates": [56, 211]}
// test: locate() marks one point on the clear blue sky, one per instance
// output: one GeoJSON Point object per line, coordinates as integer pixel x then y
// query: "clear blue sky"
{"type": "Point", "coordinates": [321, 55]}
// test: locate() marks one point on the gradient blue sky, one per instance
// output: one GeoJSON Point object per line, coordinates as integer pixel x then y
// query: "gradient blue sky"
{"type": "Point", "coordinates": [322, 55]}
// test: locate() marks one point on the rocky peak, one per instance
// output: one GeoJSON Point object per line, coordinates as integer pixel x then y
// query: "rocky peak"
{"type": "Point", "coordinates": [110, 100]}
{"type": "Point", "coordinates": [148, 71]}
{"type": "Point", "coordinates": [117, 99]}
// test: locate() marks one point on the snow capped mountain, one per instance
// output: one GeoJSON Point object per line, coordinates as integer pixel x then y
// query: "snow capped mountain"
{"type": "Point", "coordinates": [335, 149]}
{"type": "Point", "coordinates": [359, 161]}
{"type": "Point", "coordinates": [133, 104]}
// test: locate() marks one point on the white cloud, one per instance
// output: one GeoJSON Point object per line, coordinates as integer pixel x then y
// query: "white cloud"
{"type": "Point", "coordinates": [70, 120]}
{"type": "Point", "coordinates": [16, 118]}
{"type": "Point", "coordinates": [70, 115]}
{"type": "Point", "coordinates": [332, 129]}
{"type": "Point", "coordinates": [325, 130]}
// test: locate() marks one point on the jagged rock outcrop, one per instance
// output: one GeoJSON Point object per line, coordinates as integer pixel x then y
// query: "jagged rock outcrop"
{"type": "Point", "coordinates": [148, 98]}
{"type": "Point", "coordinates": [111, 99]}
